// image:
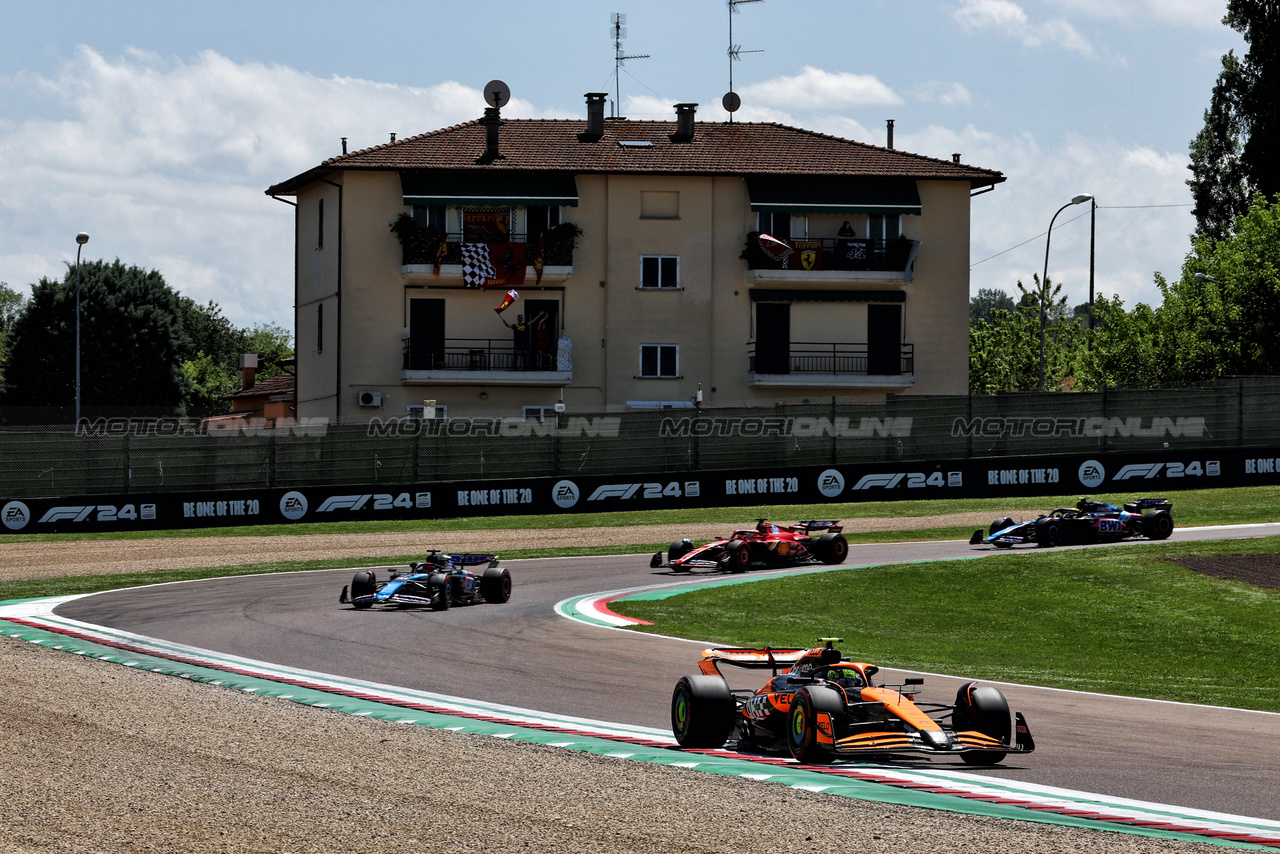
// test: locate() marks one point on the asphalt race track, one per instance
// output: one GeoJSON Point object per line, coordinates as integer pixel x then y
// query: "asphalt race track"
{"type": "Point", "coordinates": [524, 654]}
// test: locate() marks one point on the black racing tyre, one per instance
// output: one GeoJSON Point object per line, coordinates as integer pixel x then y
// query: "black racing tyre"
{"type": "Point", "coordinates": [724, 560]}
{"type": "Point", "coordinates": [363, 583]}
{"type": "Point", "coordinates": [495, 585]}
{"type": "Point", "coordinates": [678, 549]}
{"type": "Point", "coordinates": [703, 712]}
{"type": "Point", "coordinates": [831, 548]}
{"type": "Point", "coordinates": [802, 723]}
{"type": "Point", "coordinates": [1000, 524]}
{"type": "Point", "coordinates": [442, 590]}
{"type": "Point", "coordinates": [1049, 533]}
{"type": "Point", "coordinates": [656, 560]}
{"type": "Point", "coordinates": [1157, 524]}
{"type": "Point", "coordinates": [982, 708]}
{"type": "Point", "coordinates": [740, 558]}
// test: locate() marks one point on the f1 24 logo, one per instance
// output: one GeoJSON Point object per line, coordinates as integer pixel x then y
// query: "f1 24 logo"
{"type": "Point", "coordinates": [650, 490]}
{"type": "Point", "coordinates": [914, 480]}
{"type": "Point", "coordinates": [1147, 471]}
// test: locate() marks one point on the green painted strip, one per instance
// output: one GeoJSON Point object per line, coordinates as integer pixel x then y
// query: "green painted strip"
{"type": "Point", "coordinates": [784, 775]}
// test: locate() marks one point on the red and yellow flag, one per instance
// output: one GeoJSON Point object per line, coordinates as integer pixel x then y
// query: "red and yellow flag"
{"type": "Point", "coordinates": [511, 297]}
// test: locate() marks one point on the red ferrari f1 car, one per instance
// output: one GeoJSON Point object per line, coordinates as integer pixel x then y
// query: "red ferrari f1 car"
{"type": "Point", "coordinates": [824, 706]}
{"type": "Point", "coordinates": [767, 545]}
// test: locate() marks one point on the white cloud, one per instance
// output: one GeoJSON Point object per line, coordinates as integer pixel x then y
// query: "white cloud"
{"type": "Point", "coordinates": [1008, 19]}
{"type": "Point", "coordinates": [815, 89]}
{"type": "Point", "coordinates": [164, 162]}
{"type": "Point", "coordinates": [1195, 14]}
{"type": "Point", "coordinates": [1143, 217]}
{"type": "Point", "coordinates": [939, 92]}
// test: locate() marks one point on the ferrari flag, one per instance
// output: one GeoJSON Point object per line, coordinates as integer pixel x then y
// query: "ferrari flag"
{"type": "Point", "coordinates": [511, 297]}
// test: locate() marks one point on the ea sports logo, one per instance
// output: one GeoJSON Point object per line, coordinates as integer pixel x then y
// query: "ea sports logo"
{"type": "Point", "coordinates": [565, 494]}
{"type": "Point", "coordinates": [831, 483]}
{"type": "Point", "coordinates": [1092, 474]}
{"type": "Point", "coordinates": [16, 515]}
{"type": "Point", "coordinates": [293, 506]}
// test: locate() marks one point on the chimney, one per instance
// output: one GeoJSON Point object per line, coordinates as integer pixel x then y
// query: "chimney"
{"type": "Point", "coordinates": [889, 144]}
{"type": "Point", "coordinates": [684, 122]}
{"type": "Point", "coordinates": [248, 370]}
{"type": "Point", "coordinates": [491, 121]}
{"type": "Point", "coordinates": [955, 158]}
{"type": "Point", "coordinates": [344, 145]}
{"type": "Point", "coordinates": [595, 115]}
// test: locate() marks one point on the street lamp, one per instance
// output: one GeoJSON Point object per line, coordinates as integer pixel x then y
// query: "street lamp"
{"type": "Point", "coordinates": [1205, 277]}
{"type": "Point", "coordinates": [1044, 277]}
{"type": "Point", "coordinates": [81, 239]}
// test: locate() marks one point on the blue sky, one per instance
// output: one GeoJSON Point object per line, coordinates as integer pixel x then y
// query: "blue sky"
{"type": "Point", "coordinates": [156, 126]}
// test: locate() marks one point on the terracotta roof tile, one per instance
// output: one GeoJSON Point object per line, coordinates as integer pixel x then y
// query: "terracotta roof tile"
{"type": "Point", "coordinates": [739, 148]}
{"type": "Point", "coordinates": [280, 384]}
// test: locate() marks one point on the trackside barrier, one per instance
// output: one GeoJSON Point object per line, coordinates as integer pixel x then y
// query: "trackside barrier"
{"type": "Point", "coordinates": [1119, 476]}
{"type": "Point", "coordinates": [147, 455]}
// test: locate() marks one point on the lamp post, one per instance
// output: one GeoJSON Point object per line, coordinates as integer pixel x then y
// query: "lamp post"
{"type": "Point", "coordinates": [1044, 277]}
{"type": "Point", "coordinates": [81, 239]}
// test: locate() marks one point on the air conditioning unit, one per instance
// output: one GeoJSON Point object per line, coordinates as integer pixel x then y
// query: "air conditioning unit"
{"type": "Point", "coordinates": [370, 398]}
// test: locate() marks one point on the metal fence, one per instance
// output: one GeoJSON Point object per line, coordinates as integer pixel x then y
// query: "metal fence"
{"type": "Point", "coordinates": [122, 455]}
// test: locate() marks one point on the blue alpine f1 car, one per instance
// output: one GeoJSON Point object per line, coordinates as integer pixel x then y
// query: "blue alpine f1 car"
{"type": "Point", "coordinates": [1088, 522]}
{"type": "Point", "coordinates": [438, 582]}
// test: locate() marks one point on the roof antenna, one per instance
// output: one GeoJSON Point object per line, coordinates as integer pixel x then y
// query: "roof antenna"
{"type": "Point", "coordinates": [731, 101]}
{"type": "Point", "coordinates": [618, 28]}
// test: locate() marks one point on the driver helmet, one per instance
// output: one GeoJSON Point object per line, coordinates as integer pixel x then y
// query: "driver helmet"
{"type": "Point", "coordinates": [845, 677]}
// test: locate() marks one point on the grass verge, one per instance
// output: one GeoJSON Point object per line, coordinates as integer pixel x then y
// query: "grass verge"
{"type": "Point", "coordinates": [1118, 620]}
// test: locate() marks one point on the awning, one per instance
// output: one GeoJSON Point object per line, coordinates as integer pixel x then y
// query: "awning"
{"type": "Point", "coordinates": [490, 189]}
{"type": "Point", "coordinates": [834, 195]}
{"type": "Point", "coordinates": [815, 295]}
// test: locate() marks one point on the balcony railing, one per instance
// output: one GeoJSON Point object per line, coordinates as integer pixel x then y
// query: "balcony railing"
{"type": "Point", "coordinates": [478, 354]}
{"type": "Point", "coordinates": [839, 359]}
{"type": "Point", "coordinates": [829, 253]}
{"type": "Point", "coordinates": [422, 245]}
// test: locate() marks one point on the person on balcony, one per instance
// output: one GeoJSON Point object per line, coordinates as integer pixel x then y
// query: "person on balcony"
{"type": "Point", "coordinates": [520, 338]}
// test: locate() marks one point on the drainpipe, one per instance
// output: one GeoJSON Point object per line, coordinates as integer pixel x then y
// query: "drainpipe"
{"type": "Point", "coordinates": [337, 335]}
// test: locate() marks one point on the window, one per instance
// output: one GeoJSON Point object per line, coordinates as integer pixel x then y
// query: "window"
{"type": "Point", "coordinates": [541, 414]}
{"type": "Point", "coordinates": [660, 360]}
{"type": "Point", "coordinates": [659, 271]}
{"type": "Point", "coordinates": [774, 224]}
{"type": "Point", "coordinates": [659, 205]}
{"type": "Point", "coordinates": [418, 411]}
{"type": "Point", "coordinates": [320, 328]}
{"type": "Point", "coordinates": [884, 227]}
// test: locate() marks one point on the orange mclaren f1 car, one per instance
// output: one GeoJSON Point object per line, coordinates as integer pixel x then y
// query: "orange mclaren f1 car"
{"type": "Point", "coordinates": [824, 706]}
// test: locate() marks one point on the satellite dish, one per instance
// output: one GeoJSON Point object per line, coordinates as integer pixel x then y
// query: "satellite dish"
{"type": "Point", "coordinates": [496, 93]}
{"type": "Point", "coordinates": [731, 102]}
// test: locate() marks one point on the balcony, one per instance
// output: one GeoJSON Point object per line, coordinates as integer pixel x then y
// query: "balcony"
{"type": "Point", "coordinates": [420, 252]}
{"type": "Point", "coordinates": [842, 364]}
{"type": "Point", "coordinates": [484, 361]}
{"type": "Point", "coordinates": [829, 260]}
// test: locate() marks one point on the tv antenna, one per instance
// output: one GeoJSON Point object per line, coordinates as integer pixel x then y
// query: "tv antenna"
{"type": "Point", "coordinates": [618, 29]}
{"type": "Point", "coordinates": [731, 101]}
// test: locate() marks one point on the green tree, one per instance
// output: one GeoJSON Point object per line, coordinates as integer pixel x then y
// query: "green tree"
{"type": "Point", "coordinates": [130, 340]}
{"type": "Point", "coordinates": [12, 304]}
{"type": "Point", "coordinates": [987, 301]}
{"type": "Point", "coordinates": [1004, 353]}
{"type": "Point", "coordinates": [1226, 320]}
{"type": "Point", "coordinates": [214, 371]}
{"type": "Point", "coordinates": [1126, 351]}
{"type": "Point", "coordinates": [1237, 152]}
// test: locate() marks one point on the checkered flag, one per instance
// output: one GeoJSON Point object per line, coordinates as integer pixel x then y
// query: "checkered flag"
{"type": "Point", "coordinates": [476, 268]}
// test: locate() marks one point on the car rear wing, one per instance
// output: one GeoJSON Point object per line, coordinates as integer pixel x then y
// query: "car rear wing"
{"type": "Point", "coordinates": [808, 525]}
{"type": "Point", "coordinates": [750, 658]}
{"type": "Point", "coordinates": [473, 559]}
{"type": "Point", "coordinates": [1138, 505]}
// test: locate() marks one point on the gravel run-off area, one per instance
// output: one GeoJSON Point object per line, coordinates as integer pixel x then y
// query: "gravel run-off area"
{"type": "Point", "coordinates": [98, 757]}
